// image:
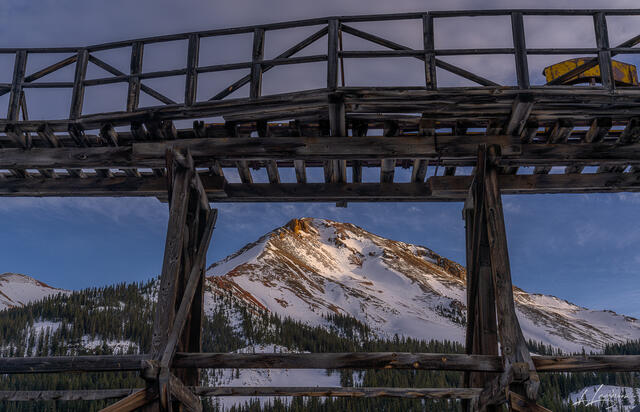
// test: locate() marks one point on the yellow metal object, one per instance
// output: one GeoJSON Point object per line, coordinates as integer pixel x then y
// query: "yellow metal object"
{"type": "Point", "coordinates": [623, 73]}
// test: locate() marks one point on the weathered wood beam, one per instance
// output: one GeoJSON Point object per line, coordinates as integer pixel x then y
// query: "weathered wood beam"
{"type": "Point", "coordinates": [388, 166]}
{"type": "Point", "coordinates": [272, 166]}
{"type": "Point", "coordinates": [515, 353]}
{"type": "Point", "coordinates": [312, 391]}
{"type": "Point", "coordinates": [367, 392]}
{"type": "Point", "coordinates": [194, 278]}
{"type": "Point", "coordinates": [429, 56]}
{"type": "Point", "coordinates": [335, 171]}
{"type": "Point", "coordinates": [560, 132]}
{"type": "Point", "coordinates": [481, 333]}
{"type": "Point", "coordinates": [191, 82]}
{"type": "Point", "coordinates": [365, 360]}
{"type": "Point", "coordinates": [77, 96]}
{"type": "Point", "coordinates": [631, 133]}
{"type": "Point", "coordinates": [67, 395]}
{"type": "Point", "coordinates": [284, 55]}
{"type": "Point", "coordinates": [135, 69]}
{"type": "Point", "coordinates": [130, 403]}
{"type": "Point", "coordinates": [167, 292]}
{"type": "Point", "coordinates": [188, 400]}
{"type": "Point", "coordinates": [355, 360]}
{"type": "Point", "coordinates": [148, 90]}
{"type": "Point", "coordinates": [19, 69]}
{"type": "Point", "coordinates": [441, 188]}
{"type": "Point", "coordinates": [439, 63]}
{"type": "Point", "coordinates": [50, 69]}
{"type": "Point", "coordinates": [598, 130]}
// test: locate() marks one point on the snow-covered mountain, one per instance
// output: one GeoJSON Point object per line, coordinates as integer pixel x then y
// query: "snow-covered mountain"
{"type": "Point", "coordinates": [312, 267]}
{"type": "Point", "coordinates": [18, 290]}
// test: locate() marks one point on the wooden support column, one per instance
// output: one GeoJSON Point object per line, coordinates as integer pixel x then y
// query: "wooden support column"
{"type": "Point", "coordinates": [482, 332]}
{"type": "Point", "coordinates": [335, 171]}
{"type": "Point", "coordinates": [488, 266]}
{"type": "Point", "coordinates": [133, 92]}
{"type": "Point", "coordinates": [179, 310]}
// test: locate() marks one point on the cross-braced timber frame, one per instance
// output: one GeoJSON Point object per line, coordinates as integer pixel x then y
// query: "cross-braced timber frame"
{"type": "Point", "coordinates": [575, 139]}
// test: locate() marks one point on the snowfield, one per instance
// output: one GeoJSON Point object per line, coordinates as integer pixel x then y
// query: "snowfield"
{"type": "Point", "coordinates": [312, 267]}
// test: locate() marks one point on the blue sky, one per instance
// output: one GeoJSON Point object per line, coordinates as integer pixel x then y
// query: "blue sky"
{"type": "Point", "coordinates": [579, 247]}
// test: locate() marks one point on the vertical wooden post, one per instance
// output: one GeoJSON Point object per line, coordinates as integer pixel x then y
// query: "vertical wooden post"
{"type": "Point", "coordinates": [482, 333]}
{"type": "Point", "coordinates": [520, 50]}
{"type": "Point", "coordinates": [19, 69]}
{"type": "Point", "coordinates": [336, 172]}
{"type": "Point", "coordinates": [429, 55]}
{"type": "Point", "coordinates": [256, 63]}
{"type": "Point", "coordinates": [193, 56]}
{"type": "Point", "coordinates": [133, 93]}
{"type": "Point", "coordinates": [604, 54]}
{"type": "Point", "coordinates": [332, 54]}
{"type": "Point", "coordinates": [77, 98]}
{"type": "Point", "coordinates": [179, 311]}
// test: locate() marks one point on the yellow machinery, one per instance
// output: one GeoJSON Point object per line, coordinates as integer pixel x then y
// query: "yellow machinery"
{"type": "Point", "coordinates": [624, 74]}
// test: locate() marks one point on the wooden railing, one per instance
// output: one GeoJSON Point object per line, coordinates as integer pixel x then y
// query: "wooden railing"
{"type": "Point", "coordinates": [332, 28]}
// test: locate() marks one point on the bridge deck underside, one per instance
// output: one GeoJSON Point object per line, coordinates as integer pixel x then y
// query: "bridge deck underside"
{"type": "Point", "coordinates": [552, 140]}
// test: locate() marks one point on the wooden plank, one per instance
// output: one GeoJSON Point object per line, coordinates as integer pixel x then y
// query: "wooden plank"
{"type": "Point", "coordinates": [388, 166]}
{"type": "Point", "coordinates": [560, 132]}
{"type": "Point", "coordinates": [19, 69]}
{"type": "Point", "coordinates": [512, 343]}
{"type": "Point", "coordinates": [364, 360]}
{"type": "Point", "coordinates": [272, 166]}
{"type": "Point", "coordinates": [188, 400]}
{"type": "Point", "coordinates": [148, 90]}
{"type": "Point", "coordinates": [316, 391]}
{"type": "Point", "coordinates": [77, 96]}
{"type": "Point", "coordinates": [482, 332]}
{"type": "Point", "coordinates": [130, 403]}
{"type": "Point", "coordinates": [631, 133]}
{"type": "Point", "coordinates": [46, 135]}
{"type": "Point", "coordinates": [352, 360]}
{"type": "Point", "coordinates": [439, 63]}
{"type": "Point", "coordinates": [430, 78]}
{"type": "Point", "coordinates": [191, 83]}
{"type": "Point", "coordinates": [286, 54]}
{"type": "Point", "coordinates": [133, 92]}
{"type": "Point", "coordinates": [194, 278]}
{"type": "Point", "coordinates": [165, 308]}
{"type": "Point", "coordinates": [255, 89]}
{"type": "Point", "coordinates": [336, 170]}
{"type": "Point", "coordinates": [359, 128]}
{"type": "Point", "coordinates": [109, 135]}
{"type": "Point", "coordinates": [598, 130]}
{"type": "Point", "coordinates": [51, 68]}
{"type": "Point", "coordinates": [332, 53]}
{"type": "Point", "coordinates": [66, 395]}
{"type": "Point", "coordinates": [604, 54]}
{"type": "Point", "coordinates": [519, 44]}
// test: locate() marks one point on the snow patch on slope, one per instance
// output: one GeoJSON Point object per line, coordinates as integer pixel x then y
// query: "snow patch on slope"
{"type": "Point", "coordinates": [17, 290]}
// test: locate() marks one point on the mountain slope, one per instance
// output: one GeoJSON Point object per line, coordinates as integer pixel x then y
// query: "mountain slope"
{"type": "Point", "coordinates": [17, 290]}
{"type": "Point", "coordinates": [311, 267]}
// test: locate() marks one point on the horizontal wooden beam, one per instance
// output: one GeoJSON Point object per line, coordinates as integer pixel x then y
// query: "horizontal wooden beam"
{"type": "Point", "coordinates": [439, 188]}
{"type": "Point", "coordinates": [117, 186]}
{"type": "Point", "coordinates": [313, 391]}
{"type": "Point", "coordinates": [353, 360]}
{"type": "Point", "coordinates": [316, 391]}
{"type": "Point", "coordinates": [356, 360]}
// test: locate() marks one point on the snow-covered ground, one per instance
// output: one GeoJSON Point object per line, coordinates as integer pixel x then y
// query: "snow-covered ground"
{"type": "Point", "coordinates": [614, 398]}
{"type": "Point", "coordinates": [17, 290]}
{"type": "Point", "coordinates": [267, 377]}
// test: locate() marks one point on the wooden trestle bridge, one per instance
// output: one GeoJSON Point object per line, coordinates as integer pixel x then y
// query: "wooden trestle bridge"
{"type": "Point", "coordinates": [588, 137]}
